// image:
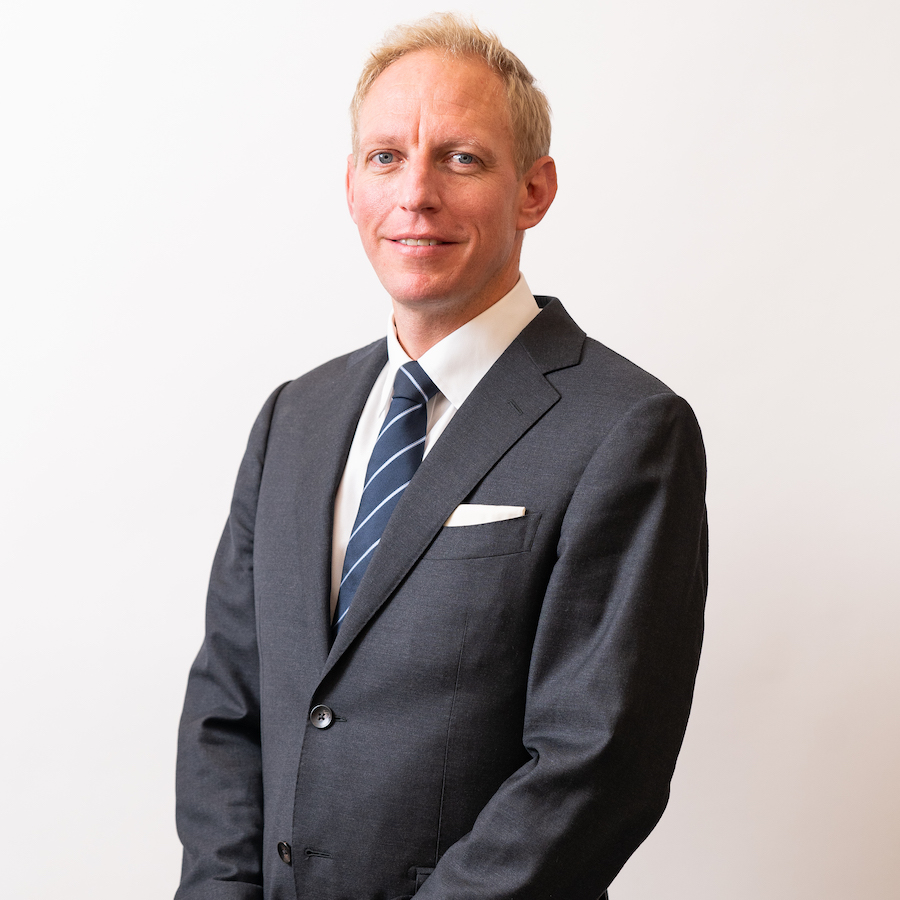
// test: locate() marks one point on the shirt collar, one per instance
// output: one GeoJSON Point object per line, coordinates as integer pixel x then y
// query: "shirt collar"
{"type": "Point", "coordinates": [459, 361]}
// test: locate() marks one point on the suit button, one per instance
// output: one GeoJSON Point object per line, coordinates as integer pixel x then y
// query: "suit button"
{"type": "Point", "coordinates": [321, 716]}
{"type": "Point", "coordinates": [284, 851]}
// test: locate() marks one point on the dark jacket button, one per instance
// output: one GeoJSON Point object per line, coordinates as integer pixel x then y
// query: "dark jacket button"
{"type": "Point", "coordinates": [284, 851]}
{"type": "Point", "coordinates": [321, 716]}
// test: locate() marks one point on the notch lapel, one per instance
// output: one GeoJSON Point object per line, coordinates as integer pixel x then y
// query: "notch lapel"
{"type": "Point", "coordinates": [333, 413]}
{"type": "Point", "coordinates": [505, 404]}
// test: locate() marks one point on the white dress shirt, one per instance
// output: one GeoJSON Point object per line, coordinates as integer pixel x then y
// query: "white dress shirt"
{"type": "Point", "coordinates": [455, 364]}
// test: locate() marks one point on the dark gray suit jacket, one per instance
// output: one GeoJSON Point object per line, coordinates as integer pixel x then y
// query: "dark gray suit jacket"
{"type": "Point", "coordinates": [508, 699]}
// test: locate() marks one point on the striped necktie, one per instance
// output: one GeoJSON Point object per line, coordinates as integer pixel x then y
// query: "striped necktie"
{"type": "Point", "coordinates": [398, 451]}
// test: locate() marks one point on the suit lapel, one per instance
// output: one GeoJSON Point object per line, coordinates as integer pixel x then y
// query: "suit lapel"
{"type": "Point", "coordinates": [510, 398]}
{"type": "Point", "coordinates": [334, 417]}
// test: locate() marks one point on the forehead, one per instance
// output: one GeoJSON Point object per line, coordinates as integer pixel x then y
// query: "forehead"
{"type": "Point", "coordinates": [425, 88]}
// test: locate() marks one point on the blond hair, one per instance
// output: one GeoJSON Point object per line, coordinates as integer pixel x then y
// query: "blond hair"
{"type": "Point", "coordinates": [447, 33]}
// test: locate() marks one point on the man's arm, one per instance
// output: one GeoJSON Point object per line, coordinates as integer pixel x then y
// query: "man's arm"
{"type": "Point", "coordinates": [611, 677]}
{"type": "Point", "coordinates": [219, 775]}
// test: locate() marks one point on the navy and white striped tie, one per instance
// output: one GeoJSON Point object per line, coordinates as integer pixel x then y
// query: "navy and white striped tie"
{"type": "Point", "coordinates": [397, 454]}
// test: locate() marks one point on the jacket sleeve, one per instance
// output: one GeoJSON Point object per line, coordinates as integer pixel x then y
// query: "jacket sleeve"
{"type": "Point", "coordinates": [611, 675]}
{"type": "Point", "coordinates": [219, 806]}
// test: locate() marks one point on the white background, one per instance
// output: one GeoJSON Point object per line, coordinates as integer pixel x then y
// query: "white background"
{"type": "Point", "coordinates": [175, 244]}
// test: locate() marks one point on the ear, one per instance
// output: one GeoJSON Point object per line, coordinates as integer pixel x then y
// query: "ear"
{"type": "Point", "coordinates": [351, 170]}
{"type": "Point", "coordinates": [538, 188]}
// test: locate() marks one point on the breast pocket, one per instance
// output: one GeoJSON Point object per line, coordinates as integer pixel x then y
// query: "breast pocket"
{"type": "Point", "coordinates": [489, 539]}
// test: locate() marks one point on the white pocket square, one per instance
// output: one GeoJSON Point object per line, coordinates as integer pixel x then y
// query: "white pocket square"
{"type": "Point", "coordinates": [480, 513]}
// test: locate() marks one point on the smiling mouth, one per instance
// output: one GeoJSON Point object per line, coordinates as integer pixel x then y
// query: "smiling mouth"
{"type": "Point", "coordinates": [419, 242]}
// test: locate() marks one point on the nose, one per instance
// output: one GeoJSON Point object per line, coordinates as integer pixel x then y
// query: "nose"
{"type": "Point", "coordinates": [420, 191]}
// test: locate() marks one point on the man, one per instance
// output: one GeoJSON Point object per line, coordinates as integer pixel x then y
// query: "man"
{"type": "Point", "coordinates": [467, 678]}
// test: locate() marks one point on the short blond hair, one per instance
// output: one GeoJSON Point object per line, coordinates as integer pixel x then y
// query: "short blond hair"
{"type": "Point", "coordinates": [454, 36]}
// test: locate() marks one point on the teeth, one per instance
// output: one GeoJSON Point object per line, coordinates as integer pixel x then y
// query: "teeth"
{"type": "Point", "coordinates": [412, 242]}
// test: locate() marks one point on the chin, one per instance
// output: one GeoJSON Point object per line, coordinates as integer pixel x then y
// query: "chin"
{"type": "Point", "coordinates": [415, 292]}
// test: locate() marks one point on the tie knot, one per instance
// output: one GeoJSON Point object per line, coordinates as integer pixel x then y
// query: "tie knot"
{"type": "Point", "coordinates": [412, 383]}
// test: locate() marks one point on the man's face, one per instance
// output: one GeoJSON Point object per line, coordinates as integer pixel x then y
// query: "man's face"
{"type": "Point", "coordinates": [434, 190]}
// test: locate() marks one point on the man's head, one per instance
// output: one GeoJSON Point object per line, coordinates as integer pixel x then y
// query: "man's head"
{"type": "Point", "coordinates": [436, 188]}
{"type": "Point", "coordinates": [455, 38]}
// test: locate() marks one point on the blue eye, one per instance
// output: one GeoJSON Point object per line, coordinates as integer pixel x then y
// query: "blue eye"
{"type": "Point", "coordinates": [384, 158]}
{"type": "Point", "coordinates": [465, 158]}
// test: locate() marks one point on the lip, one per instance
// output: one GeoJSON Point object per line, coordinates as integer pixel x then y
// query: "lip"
{"type": "Point", "coordinates": [420, 252]}
{"type": "Point", "coordinates": [402, 238]}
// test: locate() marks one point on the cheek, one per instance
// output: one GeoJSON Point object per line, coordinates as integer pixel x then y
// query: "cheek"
{"type": "Point", "coordinates": [496, 223]}
{"type": "Point", "coordinates": [493, 211]}
{"type": "Point", "coordinates": [370, 209]}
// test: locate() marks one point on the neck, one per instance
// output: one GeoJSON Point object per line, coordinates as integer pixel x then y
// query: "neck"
{"type": "Point", "coordinates": [419, 326]}
{"type": "Point", "coordinates": [417, 334]}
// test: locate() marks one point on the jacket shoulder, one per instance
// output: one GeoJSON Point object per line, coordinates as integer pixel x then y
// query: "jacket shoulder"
{"type": "Point", "coordinates": [576, 363]}
{"type": "Point", "coordinates": [358, 363]}
{"type": "Point", "coordinates": [601, 362]}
